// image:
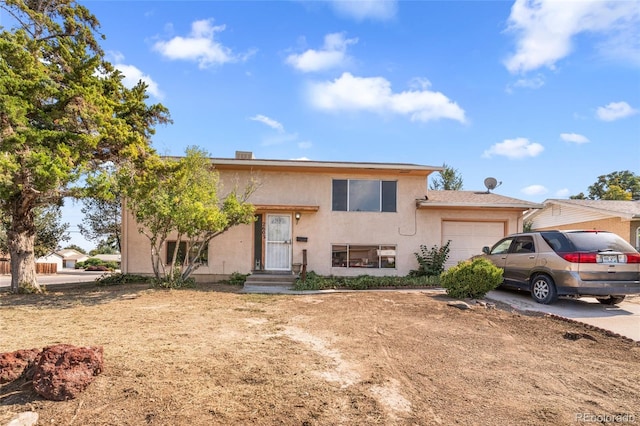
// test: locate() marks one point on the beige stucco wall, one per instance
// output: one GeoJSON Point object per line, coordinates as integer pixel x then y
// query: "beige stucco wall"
{"type": "Point", "coordinates": [406, 229]}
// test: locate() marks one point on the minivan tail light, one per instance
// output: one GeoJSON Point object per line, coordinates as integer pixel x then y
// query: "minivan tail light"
{"type": "Point", "coordinates": [579, 257]}
{"type": "Point", "coordinates": [633, 257]}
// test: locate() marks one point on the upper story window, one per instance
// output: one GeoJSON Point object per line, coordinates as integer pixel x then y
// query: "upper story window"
{"type": "Point", "coordinates": [364, 195]}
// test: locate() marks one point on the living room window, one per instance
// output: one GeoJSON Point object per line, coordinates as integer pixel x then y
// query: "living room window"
{"type": "Point", "coordinates": [363, 256]}
{"type": "Point", "coordinates": [364, 195]}
{"type": "Point", "coordinates": [182, 250]}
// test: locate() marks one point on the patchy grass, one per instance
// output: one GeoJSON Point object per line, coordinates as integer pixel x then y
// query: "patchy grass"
{"type": "Point", "coordinates": [215, 356]}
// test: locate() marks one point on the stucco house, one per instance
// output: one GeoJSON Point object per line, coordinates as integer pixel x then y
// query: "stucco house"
{"type": "Point", "coordinates": [52, 258]}
{"type": "Point", "coordinates": [71, 257]}
{"type": "Point", "coordinates": [620, 217]}
{"type": "Point", "coordinates": [349, 218]}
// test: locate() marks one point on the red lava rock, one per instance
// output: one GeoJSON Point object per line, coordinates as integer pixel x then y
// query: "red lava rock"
{"type": "Point", "coordinates": [62, 371]}
{"type": "Point", "coordinates": [15, 364]}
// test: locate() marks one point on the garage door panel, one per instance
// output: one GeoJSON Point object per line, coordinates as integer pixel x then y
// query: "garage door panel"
{"type": "Point", "coordinates": [468, 238]}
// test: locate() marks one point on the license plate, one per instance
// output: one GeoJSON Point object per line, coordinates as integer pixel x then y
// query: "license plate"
{"type": "Point", "coordinates": [609, 258]}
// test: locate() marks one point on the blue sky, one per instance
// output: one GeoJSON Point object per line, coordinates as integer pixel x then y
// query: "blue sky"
{"type": "Point", "coordinates": [542, 95]}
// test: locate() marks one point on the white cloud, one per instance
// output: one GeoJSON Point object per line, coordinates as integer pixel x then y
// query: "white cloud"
{"type": "Point", "coordinates": [564, 192]}
{"type": "Point", "coordinates": [268, 121]}
{"type": "Point", "coordinates": [615, 111]}
{"type": "Point", "coordinates": [350, 93]}
{"type": "Point", "coordinates": [532, 83]}
{"type": "Point", "coordinates": [573, 137]}
{"type": "Point", "coordinates": [200, 46]}
{"type": "Point", "coordinates": [300, 159]}
{"type": "Point", "coordinates": [360, 10]}
{"type": "Point", "coordinates": [332, 55]}
{"type": "Point", "coordinates": [514, 149]}
{"type": "Point", "coordinates": [132, 74]}
{"type": "Point", "coordinates": [544, 30]}
{"type": "Point", "coordinates": [305, 144]}
{"type": "Point", "coordinates": [534, 190]}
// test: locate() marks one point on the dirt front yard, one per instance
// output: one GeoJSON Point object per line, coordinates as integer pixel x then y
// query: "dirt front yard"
{"type": "Point", "coordinates": [202, 357]}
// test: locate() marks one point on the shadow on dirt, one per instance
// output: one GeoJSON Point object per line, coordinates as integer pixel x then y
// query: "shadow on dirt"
{"type": "Point", "coordinates": [18, 392]}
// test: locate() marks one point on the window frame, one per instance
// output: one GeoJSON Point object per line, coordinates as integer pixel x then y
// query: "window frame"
{"type": "Point", "coordinates": [342, 198]}
{"type": "Point", "coordinates": [182, 251]}
{"type": "Point", "coordinates": [341, 256]}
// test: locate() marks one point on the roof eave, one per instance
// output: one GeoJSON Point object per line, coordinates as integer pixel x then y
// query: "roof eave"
{"type": "Point", "coordinates": [606, 212]}
{"type": "Point", "coordinates": [428, 204]}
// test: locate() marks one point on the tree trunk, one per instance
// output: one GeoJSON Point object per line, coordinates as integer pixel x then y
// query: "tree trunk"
{"type": "Point", "coordinates": [20, 241]}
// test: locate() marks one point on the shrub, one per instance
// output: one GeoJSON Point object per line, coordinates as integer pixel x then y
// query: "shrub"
{"type": "Point", "coordinates": [174, 281]}
{"type": "Point", "coordinates": [95, 264]}
{"type": "Point", "coordinates": [471, 279]}
{"type": "Point", "coordinates": [362, 282]}
{"type": "Point", "coordinates": [118, 279]}
{"type": "Point", "coordinates": [236, 278]}
{"type": "Point", "coordinates": [431, 261]}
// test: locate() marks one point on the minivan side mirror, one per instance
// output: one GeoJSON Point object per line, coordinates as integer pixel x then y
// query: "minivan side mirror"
{"type": "Point", "coordinates": [486, 250]}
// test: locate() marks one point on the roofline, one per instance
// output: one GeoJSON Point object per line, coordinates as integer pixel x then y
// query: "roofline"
{"type": "Point", "coordinates": [600, 210]}
{"type": "Point", "coordinates": [523, 206]}
{"type": "Point", "coordinates": [403, 168]}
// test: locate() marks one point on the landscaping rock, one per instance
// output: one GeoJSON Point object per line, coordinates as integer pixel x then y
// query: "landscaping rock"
{"type": "Point", "coordinates": [15, 364]}
{"type": "Point", "coordinates": [459, 304]}
{"type": "Point", "coordinates": [62, 372]}
{"type": "Point", "coordinates": [28, 418]}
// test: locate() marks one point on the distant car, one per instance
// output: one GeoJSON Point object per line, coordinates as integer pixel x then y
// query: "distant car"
{"type": "Point", "coordinates": [97, 268]}
{"type": "Point", "coordinates": [568, 263]}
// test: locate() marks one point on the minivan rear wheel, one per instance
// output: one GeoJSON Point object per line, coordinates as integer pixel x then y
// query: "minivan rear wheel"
{"type": "Point", "coordinates": [543, 289]}
{"type": "Point", "coordinates": [611, 300]}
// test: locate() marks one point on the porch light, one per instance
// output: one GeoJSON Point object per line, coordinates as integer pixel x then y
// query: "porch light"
{"type": "Point", "coordinates": [297, 216]}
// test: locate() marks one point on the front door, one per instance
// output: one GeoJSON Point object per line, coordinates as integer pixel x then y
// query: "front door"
{"type": "Point", "coordinates": [278, 242]}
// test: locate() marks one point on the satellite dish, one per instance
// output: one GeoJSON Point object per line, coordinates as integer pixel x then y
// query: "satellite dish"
{"type": "Point", "coordinates": [490, 183]}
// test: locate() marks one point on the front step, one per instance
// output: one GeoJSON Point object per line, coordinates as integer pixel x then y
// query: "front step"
{"type": "Point", "coordinates": [270, 280]}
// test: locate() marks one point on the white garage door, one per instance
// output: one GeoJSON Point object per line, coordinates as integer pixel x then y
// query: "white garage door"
{"type": "Point", "coordinates": [468, 238]}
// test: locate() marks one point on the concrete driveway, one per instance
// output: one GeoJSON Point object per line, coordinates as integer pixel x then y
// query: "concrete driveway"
{"type": "Point", "coordinates": [623, 319]}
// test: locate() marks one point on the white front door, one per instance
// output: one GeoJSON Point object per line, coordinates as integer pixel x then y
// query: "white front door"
{"type": "Point", "coordinates": [278, 242]}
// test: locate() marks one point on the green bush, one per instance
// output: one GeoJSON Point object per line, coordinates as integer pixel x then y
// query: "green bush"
{"type": "Point", "coordinates": [95, 262]}
{"type": "Point", "coordinates": [362, 282]}
{"type": "Point", "coordinates": [236, 278]}
{"type": "Point", "coordinates": [471, 279]}
{"type": "Point", "coordinates": [109, 279]}
{"type": "Point", "coordinates": [175, 281]}
{"type": "Point", "coordinates": [431, 261]}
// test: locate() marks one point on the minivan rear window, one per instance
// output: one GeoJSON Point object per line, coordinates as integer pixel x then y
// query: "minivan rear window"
{"type": "Point", "coordinates": [587, 241]}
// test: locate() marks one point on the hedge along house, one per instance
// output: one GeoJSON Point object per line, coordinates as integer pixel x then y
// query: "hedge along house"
{"type": "Point", "coordinates": [348, 218]}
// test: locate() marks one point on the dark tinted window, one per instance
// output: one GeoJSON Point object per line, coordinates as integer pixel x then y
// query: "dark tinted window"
{"type": "Point", "coordinates": [523, 244]}
{"type": "Point", "coordinates": [389, 196]}
{"type": "Point", "coordinates": [557, 241]}
{"type": "Point", "coordinates": [182, 250]}
{"type": "Point", "coordinates": [340, 195]}
{"type": "Point", "coordinates": [598, 241]}
{"type": "Point", "coordinates": [364, 195]}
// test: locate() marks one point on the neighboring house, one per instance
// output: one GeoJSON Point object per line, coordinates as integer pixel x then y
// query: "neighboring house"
{"type": "Point", "coordinates": [620, 217]}
{"type": "Point", "coordinates": [54, 258]}
{"type": "Point", "coordinates": [71, 257]}
{"type": "Point", "coordinates": [350, 218]}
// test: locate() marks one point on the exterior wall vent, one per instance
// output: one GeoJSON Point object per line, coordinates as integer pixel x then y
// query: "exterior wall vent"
{"type": "Point", "coordinates": [244, 155]}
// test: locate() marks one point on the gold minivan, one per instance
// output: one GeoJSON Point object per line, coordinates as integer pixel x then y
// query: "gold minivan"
{"type": "Point", "coordinates": [568, 263]}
